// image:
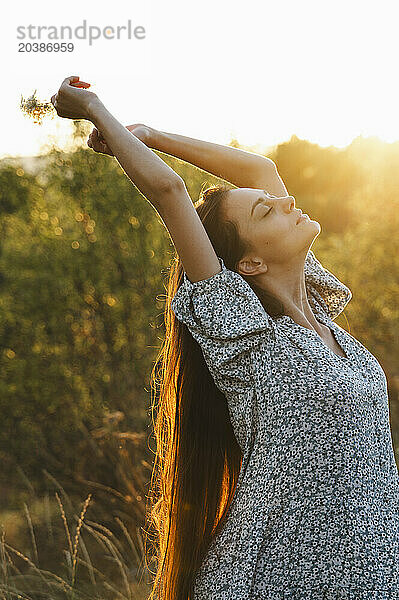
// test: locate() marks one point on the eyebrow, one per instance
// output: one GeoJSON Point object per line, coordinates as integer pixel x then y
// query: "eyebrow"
{"type": "Point", "coordinates": [258, 201]}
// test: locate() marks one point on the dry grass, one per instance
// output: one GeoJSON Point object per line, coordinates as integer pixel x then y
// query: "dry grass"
{"type": "Point", "coordinates": [23, 578]}
{"type": "Point", "coordinates": [32, 107]}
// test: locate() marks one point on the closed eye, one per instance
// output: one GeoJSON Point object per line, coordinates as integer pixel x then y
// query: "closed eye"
{"type": "Point", "coordinates": [269, 211]}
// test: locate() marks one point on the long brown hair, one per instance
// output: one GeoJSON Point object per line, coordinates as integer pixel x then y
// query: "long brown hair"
{"type": "Point", "coordinates": [197, 459]}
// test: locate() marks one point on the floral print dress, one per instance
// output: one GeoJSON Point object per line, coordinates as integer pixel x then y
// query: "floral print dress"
{"type": "Point", "coordinates": [315, 514]}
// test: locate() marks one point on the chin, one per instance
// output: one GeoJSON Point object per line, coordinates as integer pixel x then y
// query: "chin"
{"type": "Point", "coordinates": [313, 221]}
{"type": "Point", "coordinates": [316, 223]}
{"type": "Point", "coordinates": [316, 228]}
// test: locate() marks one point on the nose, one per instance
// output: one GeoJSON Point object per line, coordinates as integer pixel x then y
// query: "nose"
{"type": "Point", "coordinates": [287, 202]}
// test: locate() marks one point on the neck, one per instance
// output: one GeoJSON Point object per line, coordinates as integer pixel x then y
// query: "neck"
{"type": "Point", "coordinates": [287, 283]}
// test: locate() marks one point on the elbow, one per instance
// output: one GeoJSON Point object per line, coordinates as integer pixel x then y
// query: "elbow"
{"type": "Point", "coordinates": [170, 186]}
{"type": "Point", "coordinates": [262, 167]}
{"type": "Point", "coordinates": [266, 163]}
{"type": "Point", "coordinates": [265, 166]}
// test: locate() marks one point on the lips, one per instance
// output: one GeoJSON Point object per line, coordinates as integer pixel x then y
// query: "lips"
{"type": "Point", "coordinates": [299, 218]}
{"type": "Point", "coordinates": [304, 217]}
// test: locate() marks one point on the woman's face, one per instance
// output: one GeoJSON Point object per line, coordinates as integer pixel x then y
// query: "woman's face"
{"type": "Point", "coordinates": [270, 224]}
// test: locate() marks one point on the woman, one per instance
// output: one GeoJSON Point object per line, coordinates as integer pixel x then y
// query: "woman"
{"type": "Point", "coordinates": [275, 472]}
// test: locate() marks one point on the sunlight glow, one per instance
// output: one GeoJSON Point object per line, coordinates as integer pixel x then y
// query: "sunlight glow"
{"type": "Point", "coordinates": [259, 73]}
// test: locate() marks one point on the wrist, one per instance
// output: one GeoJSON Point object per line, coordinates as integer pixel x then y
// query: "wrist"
{"type": "Point", "coordinates": [151, 137]}
{"type": "Point", "coordinates": [94, 107]}
{"type": "Point", "coordinates": [156, 139]}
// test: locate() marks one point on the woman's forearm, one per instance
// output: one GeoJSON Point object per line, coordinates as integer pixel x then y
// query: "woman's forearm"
{"type": "Point", "coordinates": [147, 171]}
{"type": "Point", "coordinates": [241, 168]}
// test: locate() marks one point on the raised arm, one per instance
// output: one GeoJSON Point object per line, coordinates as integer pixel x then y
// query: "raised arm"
{"type": "Point", "coordinates": [240, 167]}
{"type": "Point", "coordinates": [164, 189]}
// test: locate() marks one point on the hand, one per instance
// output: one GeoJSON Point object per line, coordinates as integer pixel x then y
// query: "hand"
{"type": "Point", "coordinates": [97, 142]}
{"type": "Point", "coordinates": [71, 102]}
{"type": "Point", "coordinates": [143, 132]}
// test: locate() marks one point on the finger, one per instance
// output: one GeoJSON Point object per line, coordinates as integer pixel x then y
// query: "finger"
{"type": "Point", "coordinates": [69, 80]}
{"type": "Point", "coordinates": [100, 139]}
{"type": "Point", "coordinates": [96, 145]}
{"type": "Point", "coordinates": [102, 147]}
{"type": "Point", "coordinates": [134, 126]}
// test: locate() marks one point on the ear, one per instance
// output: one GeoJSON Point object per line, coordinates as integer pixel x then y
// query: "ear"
{"type": "Point", "coordinates": [251, 266]}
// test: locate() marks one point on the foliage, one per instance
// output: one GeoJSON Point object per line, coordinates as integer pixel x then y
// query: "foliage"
{"type": "Point", "coordinates": [83, 260]}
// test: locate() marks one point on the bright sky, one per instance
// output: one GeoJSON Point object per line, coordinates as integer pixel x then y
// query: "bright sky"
{"type": "Point", "coordinates": [258, 71]}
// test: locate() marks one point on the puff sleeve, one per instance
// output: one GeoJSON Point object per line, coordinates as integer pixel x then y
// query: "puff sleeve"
{"type": "Point", "coordinates": [324, 289]}
{"type": "Point", "coordinates": [226, 318]}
